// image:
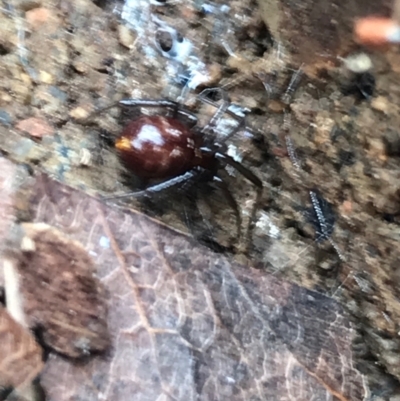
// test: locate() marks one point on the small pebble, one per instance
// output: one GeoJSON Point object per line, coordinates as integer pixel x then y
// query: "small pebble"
{"type": "Point", "coordinates": [80, 67]}
{"type": "Point", "coordinates": [215, 73]}
{"type": "Point", "coordinates": [5, 98]}
{"type": "Point", "coordinates": [35, 127]}
{"type": "Point", "coordinates": [380, 103]}
{"type": "Point", "coordinates": [391, 139]}
{"type": "Point", "coordinates": [85, 157]}
{"type": "Point", "coordinates": [275, 106]}
{"type": "Point", "coordinates": [346, 207]}
{"type": "Point", "coordinates": [22, 148]}
{"type": "Point", "coordinates": [324, 126]}
{"type": "Point", "coordinates": [26, 5]}
{"type": "Point", "coordinates": [358, 63]}
{"type": "Point", "coordinates": [25, 78]}
{"type": "Point", "coordinates": [45, 77]}
{"type": "Point", "coordinates": [38, 16]}
{"type": "Point", "coordinates": [58, 93]}
{"type": "Point", "coordinates": [377, 149]}
{"type": "Point", "coordinates": [126, 36]}
{"type": "Point", "coordinates": [79, 113]}
{"type": "Point", "coordinates": [5, 118]}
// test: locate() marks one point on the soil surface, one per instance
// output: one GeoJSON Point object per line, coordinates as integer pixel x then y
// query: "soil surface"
{"type": "Point", "coordinates": [331, 139]}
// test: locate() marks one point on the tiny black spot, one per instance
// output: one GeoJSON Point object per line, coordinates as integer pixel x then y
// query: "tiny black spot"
{"type": "Point", "coordinates": [100, 3]}
{"type": "Point", "coordinates": [346, 158]}
{"type": "Point", "coordinates": [391, 140]}
{"type": "Point", "coordinates": [337, 133]}
{"type": "Point", "coordinates": [4, 50]}
{"type": "Point", "coordinates": [275, 182]}
{"type": "Point", "coordinates": [390, 218]}
{"type": "Point", "coordinates": [183, 78]}
{"type": "Point", "coordinates": [70, 29]}
{"type": "Point", "coordinates": [108, 61]}
{"type": "Point", "coordinates": [362, 86]}
{"type": "Point", "coordinates": [213, 95]}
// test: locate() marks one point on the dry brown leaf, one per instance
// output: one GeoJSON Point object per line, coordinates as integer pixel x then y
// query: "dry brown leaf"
{"type": "Point", "coordinates": [20, 355]}
{"type": "Point", "coordinates": [188, 324]}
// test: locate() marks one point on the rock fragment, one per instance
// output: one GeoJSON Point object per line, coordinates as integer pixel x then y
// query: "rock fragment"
{"type": "Point", "coordinates": [36, 127]}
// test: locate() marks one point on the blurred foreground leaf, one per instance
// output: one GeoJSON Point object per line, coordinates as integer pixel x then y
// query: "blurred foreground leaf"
{"type": "Point", "coordinates": [188, 324]}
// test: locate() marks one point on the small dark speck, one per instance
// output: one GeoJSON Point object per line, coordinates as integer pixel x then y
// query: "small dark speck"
{"type": "Point", "coordinates": [108, 61]}
{"type": "Point", "coordinates": [183, 78]}
{"type": "Point", "coordinates": [2, 298]}
{"type": "Point", "coordinates": [346, 158]}
{"type": "Point", "coordinates": [4, 50]}
{"type": "Point", "coordinates": [373, 251]}
{"type": "Point", "coordinates": [391, 140]}
{"type": "Point", "coordinates": [354, 112]}
{"type": "Point", "coordinates": [5, 118]}
{"type": "Point", "coordinates": [390, 218]}
{"type": "Point", "coordinates": [362, 86]}
{"type": "Point", "coordinates": [337, 132]}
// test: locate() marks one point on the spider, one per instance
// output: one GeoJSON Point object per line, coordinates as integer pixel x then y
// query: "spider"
{"type": "Point", "coordinates": [174, 150]}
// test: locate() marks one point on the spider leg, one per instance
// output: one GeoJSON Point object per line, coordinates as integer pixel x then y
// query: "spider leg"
{"type": "Point", "coordinates": [148, 103]}
{"type": "Point", "coordinates": [206, 221]}
{"type": "Point", "coordinates": [88, 119]}
{"type": "Point", "coordinates": [208, 128]}
{"type": "Point", "coordinates": [293, 85]}
{"type": "Point", "coordinates": [172, 182]}
{"type": "Point", "coordinates": [252, 178]}
{"type": "Point", "coordinates": [177, 110]}
{"type": "Point", "coordinates": [239, 167]}
{"type": "Point", "coordinates": [204, 99]}
{"type": "Point", "coordinates": [221, 109]}
{"type": "Point", "coordinates": [232, 203]}
{"type": "Point", "coordinates": [240, 126]}
{"type": "Point", "coordinates": [174, 106]}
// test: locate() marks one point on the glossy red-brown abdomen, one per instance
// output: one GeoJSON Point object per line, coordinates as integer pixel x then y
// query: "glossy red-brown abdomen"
{"type": "Point", "coordinates": [157, 147]}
